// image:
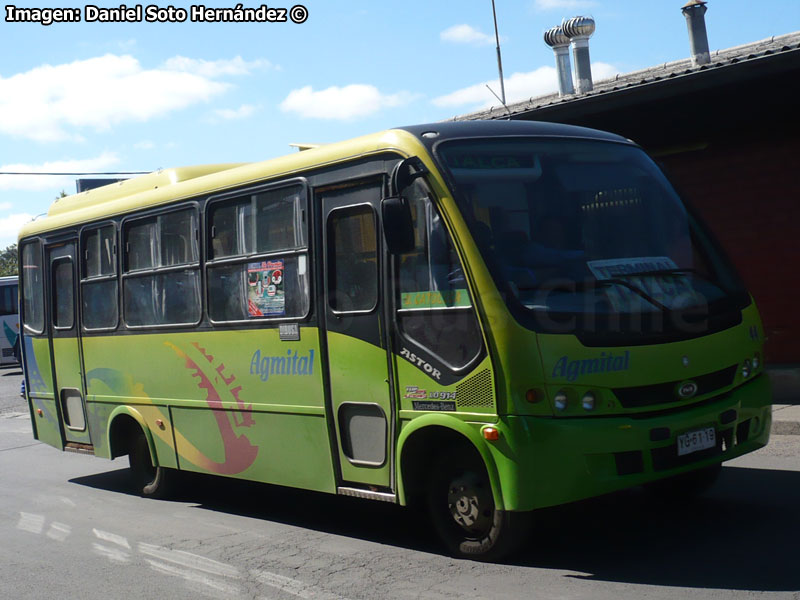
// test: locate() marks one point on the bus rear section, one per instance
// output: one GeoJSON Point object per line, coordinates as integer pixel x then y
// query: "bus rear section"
{"type": "Point", "coordinates": [9, 320]}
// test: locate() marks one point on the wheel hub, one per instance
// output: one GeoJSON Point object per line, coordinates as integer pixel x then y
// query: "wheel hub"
{"type": "Point", "coordinates": [470, 503]}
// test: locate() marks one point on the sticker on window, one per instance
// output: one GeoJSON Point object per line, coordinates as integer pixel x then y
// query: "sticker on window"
{"type": "Point", "coordinates": [265, 291]}
{"type": "Point", "coordinates": [670, 290]}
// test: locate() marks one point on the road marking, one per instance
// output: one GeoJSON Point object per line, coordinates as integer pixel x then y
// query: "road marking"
{"type": "Point", "coordinates": [59, 531]}
{"type": "Point", "coordinates": [194, 577]}
{"type": "Point", "coordinates": [187, 559]}
{"type": "Point", "coordinates": [112, 554]}
{"type": "Point", "coordinates": [30, 522]}
{"type": "Point", "coordinates": [294, 587]}
{"type": "Point", "coordinates": [112, 537]}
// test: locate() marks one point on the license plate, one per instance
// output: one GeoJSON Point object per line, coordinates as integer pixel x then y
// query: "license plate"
{"type": "Point", "coordinates": [694, 441]}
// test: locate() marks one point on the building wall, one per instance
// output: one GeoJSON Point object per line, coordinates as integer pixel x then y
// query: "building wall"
{"type": "Point", "coordinates": [748, 192]}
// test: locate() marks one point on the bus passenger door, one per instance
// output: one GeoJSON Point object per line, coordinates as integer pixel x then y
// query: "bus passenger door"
{"type": "Point", "coordinates": [358, 367]}
{"type": "Point", "coordinates": [64, 341]}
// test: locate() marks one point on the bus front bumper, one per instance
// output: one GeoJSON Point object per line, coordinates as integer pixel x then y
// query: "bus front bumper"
{"type": "Point", "coordinates": [559, 460]}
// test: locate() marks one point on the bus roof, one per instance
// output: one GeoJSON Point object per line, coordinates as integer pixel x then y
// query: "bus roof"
{"type": "Point", "coordinates": [171, 185]}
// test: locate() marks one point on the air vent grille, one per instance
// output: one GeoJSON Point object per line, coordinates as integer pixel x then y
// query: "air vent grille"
{"type": "Point", "coordinates": [478, 390]}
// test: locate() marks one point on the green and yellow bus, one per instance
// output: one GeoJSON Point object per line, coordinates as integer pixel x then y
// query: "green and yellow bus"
{"type": "Point", "coordinates": [487, 318]}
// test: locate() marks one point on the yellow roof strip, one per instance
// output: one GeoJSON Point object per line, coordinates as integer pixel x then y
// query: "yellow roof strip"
{"type": "Point", "coordinates": [172, 185]}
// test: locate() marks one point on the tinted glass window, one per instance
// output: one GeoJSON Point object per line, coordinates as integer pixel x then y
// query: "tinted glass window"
{"type": "Point", "coordinates": [265, 235]}
{"type": "Point", "coordinates": [259, 223]}
{"type": "Point", "coordinates": [586, 232]}
{"type": "Point", "coordinates": [99, 298]}
{"type": "Point", "coordinates": [32, 287]}
{"type": "Point", "coordinates": [141, 238]}
{"type": "Point", "coordinates": [99, 304]}
{"type": "Point", "coordinates": [63, 294]}
{"type": "Point", "coordinates": [155, 292]}
{"type": "Point", "coordinates": [8, 300]}
{"type": "Point", "coordinates": [99, 252]}
{"type": "Point", "coordinates": [352, 259]}
{"type": "Point", "coordinates": [435, 309]}
{"type": "Point", "coordinates": [277, 287]}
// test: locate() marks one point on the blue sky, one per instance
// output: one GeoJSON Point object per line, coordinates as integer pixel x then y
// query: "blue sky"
{"type": "Point", "coordinates": [142, 96]}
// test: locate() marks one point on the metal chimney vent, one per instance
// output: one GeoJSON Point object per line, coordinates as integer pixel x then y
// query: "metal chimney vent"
{"type": "Point", "coordinates": [559, 42]}
{"type": "Point", "coordinates": [695, 11]}
{"type": "Point", "coordinates": [579, 30]}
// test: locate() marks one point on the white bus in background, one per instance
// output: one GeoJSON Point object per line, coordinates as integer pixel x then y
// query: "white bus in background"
{"type": "Point", "coordinates": [9, 318]}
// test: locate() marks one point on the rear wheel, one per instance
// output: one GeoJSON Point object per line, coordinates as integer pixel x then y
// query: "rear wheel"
{"type": "Point", "coordinates": [148, 480]}
{"type": "Point", "coordinates": [464, 514]}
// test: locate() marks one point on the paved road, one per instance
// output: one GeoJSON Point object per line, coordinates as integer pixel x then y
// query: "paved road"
{"type": "Point", "coordinates": [69, 527]}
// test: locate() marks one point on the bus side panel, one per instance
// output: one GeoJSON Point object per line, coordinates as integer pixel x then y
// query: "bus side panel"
{"type": "Point", "coordinates": [38, 367]}
{"type": "Point", "coordinates": [46, 425]}
{"type": "Point", "coordinates": [39, 390]}
{"type": "Point", "coordinates": [241, 403]}
{"type": "Point", "coordinates": [286, 449]}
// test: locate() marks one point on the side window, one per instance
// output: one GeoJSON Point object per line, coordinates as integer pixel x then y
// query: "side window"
{"type": "Point", "coordinates": [63, 294]}
{"type": "Point", "coordinates": [32, 287]}
{"type": "Point", "coordinates": [353, 259]}
{"type": "Point", "coordinates": [435, 309]}
{"type": "Point", "coordinates": [8, 300]}
{"type": "Point", "coordinates": [99, 292]}
{"type": "Point", "coordinates": [161, 278]}
{"type": "Point", "coordinates": [258, 256]}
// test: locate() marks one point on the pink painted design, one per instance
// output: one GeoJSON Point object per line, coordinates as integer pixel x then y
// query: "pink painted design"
{"type": "Point", "coordinates": [240, 453]}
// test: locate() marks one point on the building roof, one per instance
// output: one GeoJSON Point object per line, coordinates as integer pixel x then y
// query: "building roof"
{"type": "Point", "coordinates": [725, 63]}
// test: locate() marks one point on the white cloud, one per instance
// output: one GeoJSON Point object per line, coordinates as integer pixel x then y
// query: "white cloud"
{"type": "Point", "coordinates": [519, 87]}
{"type": "Point", "coordinates": [48, 182]}
{"type": "Point", "coordinates": [10, 226]}
{"type": "Point", "coordinates": [215, 68]}
{"type": "Point", "coordinates": [49, 103]}
{"type": "Point", "coordinates": [466, 34]}
{"type": "Point", "coordinates": [144, 145]}
{"type": "Point", "coordinates": [544, 5]}
{"type": "Point", "coordinates": [229, 114]}
{"type": "Point", "coordinates": [342, 103]}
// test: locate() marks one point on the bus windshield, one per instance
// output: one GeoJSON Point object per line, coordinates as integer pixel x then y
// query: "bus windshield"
{"type": "Point", "coordinates": [586, 229]}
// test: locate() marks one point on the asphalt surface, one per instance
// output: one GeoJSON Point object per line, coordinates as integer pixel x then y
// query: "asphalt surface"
{"type": "Point", "coordinates": [70, 527]}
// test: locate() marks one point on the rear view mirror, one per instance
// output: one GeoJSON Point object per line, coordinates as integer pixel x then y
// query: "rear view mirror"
{"type": "Point", "coordinates": [406, 172]}
{"type": "Point", "coordinates": [398, 227]}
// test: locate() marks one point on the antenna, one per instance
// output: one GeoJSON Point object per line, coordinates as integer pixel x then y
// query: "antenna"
{"type": "Point", "coordinates": [499, 60]}
{"type": "Point", "coordinates": [498, 97]}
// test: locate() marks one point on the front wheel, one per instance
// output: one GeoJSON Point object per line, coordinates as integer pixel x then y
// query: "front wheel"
{"type": "Point", "coordinates": [464, 514]}
{"type": "Point", "coordinates": [148, 480]}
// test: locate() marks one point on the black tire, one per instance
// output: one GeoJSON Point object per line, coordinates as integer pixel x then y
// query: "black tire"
{"type": "Point", "coordinates": [463, 511]}
{"type": "Point", "coordinates": [685, 486]}
{"type": "Point", "coordinates": [148, 480]}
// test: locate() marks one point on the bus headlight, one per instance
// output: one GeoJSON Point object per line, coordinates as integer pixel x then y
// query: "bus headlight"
{"type": "Point", "coordinates": [756, 361]}
{"type": "Point", "coordinates": [560, 400]}
{"type": "Point", "coordinates": [747, 368]}
{"type": "Point", "coordinates": [588, 401]}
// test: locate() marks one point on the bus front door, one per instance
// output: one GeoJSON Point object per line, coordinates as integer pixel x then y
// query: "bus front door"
{"type": "Point", "coordinates": [360, 399]}
{"type": "Point", "coordinates": [65, 342]}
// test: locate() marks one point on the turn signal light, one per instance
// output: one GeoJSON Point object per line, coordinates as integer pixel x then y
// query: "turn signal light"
{"type": "Point", "coordinates": [533, 396]}
{"type": "Point", "coordinates": [491, 434]}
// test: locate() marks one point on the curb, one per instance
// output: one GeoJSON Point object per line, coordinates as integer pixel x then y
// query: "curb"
{"type": "Point", "coordinates": [785, 428]}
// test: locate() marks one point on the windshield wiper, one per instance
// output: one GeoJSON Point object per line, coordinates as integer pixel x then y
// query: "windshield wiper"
{"type": "Point", "coordinates": [674, 272]}
{"type": "Point", "coordinates": [588, 284]}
